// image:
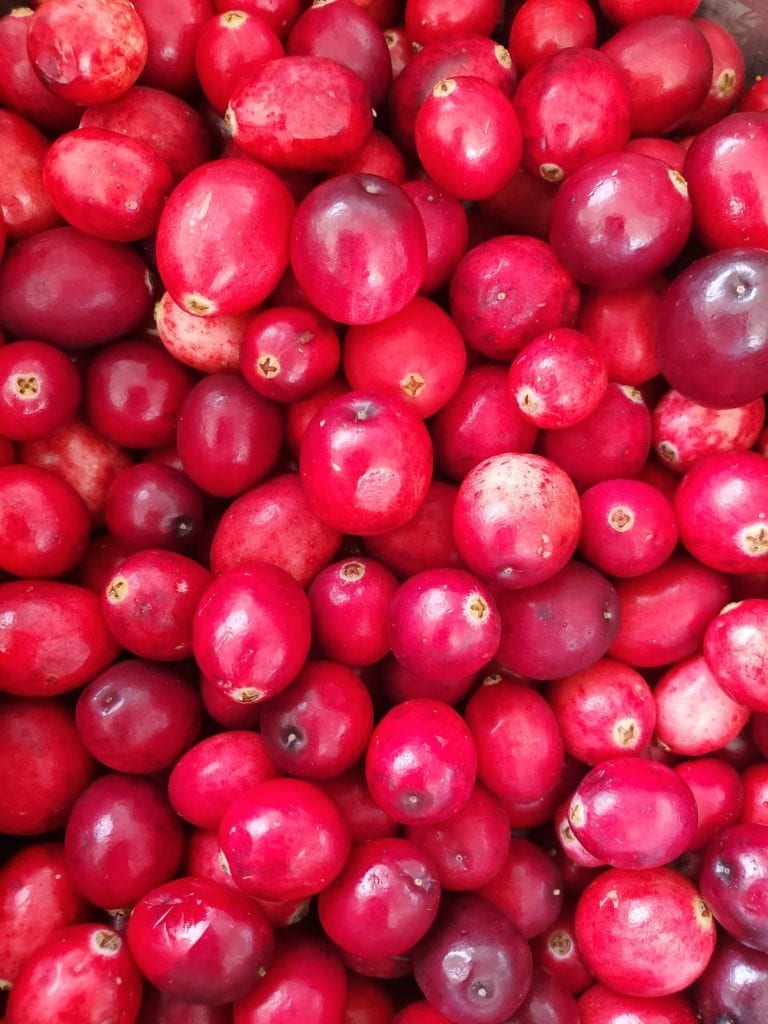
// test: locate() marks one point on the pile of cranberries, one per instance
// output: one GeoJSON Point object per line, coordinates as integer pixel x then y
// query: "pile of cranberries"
{"type": "Point", "coordinates": [383, 514]}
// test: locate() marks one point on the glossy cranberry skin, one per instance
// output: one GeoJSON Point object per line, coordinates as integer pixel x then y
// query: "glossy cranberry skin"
{"type": "Point", "coordinates": [601, 1005]}
{"type": "Point", "coordinates": [384, 901]}
{"type": "Point", "coordinates": [735, 654]}
{"type": "Point", "coordinates": [133, 394]}
{"type": "Point", "coordinates": [684, 431]}
{"type": "Point", "coordinates": [53, 637]}
{"type": "Point", "coordinates": [719, 794]}
{"type": "Point", "coordinates": [420, 1013]}
{"type": "Point", "coordinates": [287, 353]}
{"type": "Point", "coordinates": [495, 960]}
{"type": "Point", "coordinates": [275, 523]}
{"type": "Point", "coordinates": [72, 289]}
{"type": "Point", "coordinates": [39, 390]}
{"type": "Point", "coordinates": [364, 818]}
{"type": "Point", "coordinates": [728, 77]}
{"type": "Point", "coordinates": [37, 897]}
{"type": "Point", "coordinates": [421, 762]}
{"type": "Point", "coordinates": [666, 946]}
{"type": "Point", "coordinates": [200, 941]}
{"type": "Point", "coordinates": [668, 66]}
{"type": "Point", "coordinates": [417, 354]}
{"type": "Point", "coordinates": [732, 881]}
{"type": "Point", "coordinates": [172, 29]}
{"type": "Point", "coordinates": [604, 235]}
{"type": "Point", "coordinates": [622, 324]}
{"type": "Point", "coordinates": [86, 54]}
{"type": "Point", "coordinates": [35, 799]}
{"type": "Point", "coordinates": [138, 717]}
{"type": "Point", "coordinates": [228, 48]}
{"type": "Point", "coordinates": [366, 463]}
{"type": "Point", "coordinates": [85, 973]}
{"type": "Point", "coordinates": [721, 522]}
{"type": "Point", "coordinates": [165, 123]}
{"type": "Point", "coordinates": [149, 505]}
{"type": "Point", "coordinates": [509, 289]}
{"type": "Point", "coordinates": [160, 1008]}
{"type": "Point", "coordinates": [284, 839]}
{"type": "Point", "coordinates": [710, 342]}
{"type": "Point", "coordinates": [446, 228]}
{"type": "Point", "coordinates": [557, 951]}
{"type": "Point", "coordinates": [516, 519]}
{"type": "Point", "coordinates": [242, 202]}
{"type": "Point", "coordinates": [633, 813]}
{"type": "Point", "coordinates": [25, 207]}
{"type": "Point", "coordinates": [519, 748]}
{"type": "Point", "coordinates": [319, 726]}
{"type": "Point", "coordinates": [544, 27]}
{"type": "Point", "coordinates": [122, 839]}
{"type": "Point", "coordinates": [528, 888]}
{"type": "Point", "coordinates": [573, 106]}
{"type": "Point", "coordinates": [306, 977]}
{"type": "Point", "coordinates": [360, 587]}
{"type": "Point", "coordinates": [734, 986]}
{"type": "Point", "coordinates": [358, 248]}
{"type": "Point", "coordinates": [228, 436]}
{"type": "Point", "coordinates": [251, 631]}
{"type": "Point", "coordinates": [368, 1002]}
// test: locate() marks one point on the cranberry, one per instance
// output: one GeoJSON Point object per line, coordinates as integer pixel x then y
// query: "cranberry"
{"type": "Point", "coordinates": [734, 986]}
{"type": "Point", "coordinates": [366, 463]}
{"type": "Point", "coordinates": [319, 726]}
{"type": "Point", "coordinates": [684, 432]}
{"type": "Point", "coordinates": [558, 952]}
{"type": "Point", "coordinates": [138, 717]}
{"type": "Point", "coordinates": [543, 27]}
{"type": "Point", "coordinates": [714, 319]}
{"type": "Point", "coordinates": [622, 324]}
{"type": "Point", "coordinates": [251, 631]}
{"type": "Point", "coordinates": [378, 156]}
{"type": "Point", "coordinates": [420, 1013]}
{"type": "Point", "coordinates": [368, 1002]}
{"type": "Point", "coordinates": [644, 932]}
{"type": "Point", "coordinates": [753, 788]}
{"type": "Point", "coordinates": [633, 813]}
{"type": "Point", "coordinates": [283, 839]}
{"type": "Point", "coordinates": [601, 1005]}
{"type": "Point", "coordinates": [122, 839]}
{"type": "Point", "coordinates": [508, 290]}
{"type": "Point", "coordinates": [519, 749]}
{"type": "Point", "coordinates": [735, 652]}
{"type": "Point", "coordinates": [719, 794]}
{"type": "Point", "coordinates": [604, 711]}
{"type": "Point", "coordinates": [358, 248]}
{"type": "Point", "coordinates": [241, 202]}
{"type": "Point", "coordinates": [84, 972]}
{"type": "Point", "coordinates": [364, 818]}
{"type": "Point", "coordinates": [728, 77]}
{"type": "Point", "coordinates": [528, 888]}
{"type": "Point", "coordinates": [446, 229]}
{"type": "Point", "coordinates": [160, 1008]}
{"type": "Point", "coordinates": [733, 878]}
{"type": "Point", "coordinates": [386, 917]}
{"type": "Point", "coordinates": [150, 505]}
{"type": "Point", "coordinates": [209, 344]}
{"type": "Point", "coordinates": [474, 965]}
{"type": "Point", "coordinates": [229, 47]}
{"type": "Point", "coordinates": [25, 207]}
{"type": "Point", "coordinates": [417, 354]}
{"type": "Point", "coordinates": [300, 113]}
{"type": "Point", "coordinates": [421, 762]}
{"type": "Point", "coordinates": [72, 289]}
{"type": "Point", "coordinates": [200, 941]}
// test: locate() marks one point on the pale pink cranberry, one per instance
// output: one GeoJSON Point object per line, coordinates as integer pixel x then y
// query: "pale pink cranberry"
{"type": "Point", "coordinates": [208, 344]}
{"type": "Point", "coordinates": [684, 431]}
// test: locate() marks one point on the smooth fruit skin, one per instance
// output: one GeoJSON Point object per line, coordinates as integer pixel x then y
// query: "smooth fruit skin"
{"type": "Point", "coordinates": [284, 839]}
{"type": "Point", "coordinates": [25, 208]}
{"type": "Point", "coordinates": [735, 652]}
{"type": "Point", "coordinates": [734, 986]}
{"type": "Point", "coordinates": [516, 520]}
{"type": "Point", "coordinates": [366, 463]}
{"type": "Point", "coordinates": [421, 762]}
{"type": "Point", "coordinates": [200, 941]}
{"type": "Point", "coordinates": [644, 932]}
{"type": "Point", "coordinates": [358, 248]}
{"type": "Point", "coordinates": [228, 48]}
{"type": "Point", "coordinates": [600, 1005]}
{"type": "Point", "coordinates": [209, 344]}
{"type": "Point", "coordinates": [85, 973]}
{"type": "Point", "coordinates": [733, 880]}
{"type": "Point", "coordinates": [222, 240]}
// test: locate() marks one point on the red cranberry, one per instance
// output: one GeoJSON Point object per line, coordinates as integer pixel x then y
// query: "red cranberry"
{"type": "Point", "coordinates": [754, 790]}
{"type": "Point", "coordinates": [283, 839]}
{"type": "Point", "coordinates": [718, 792]}
{"type": "Point", "coordinates": [446, 228]}
{"type": "Point", "coordinates": [684, 432]}
{"type": "Point", "coordinates": [601, 1005]}
{"type": "Point", "coordinates": [306, 979]}
{"type": "Point", "coordinates": [209, 344]}
{"type": "Point", "coordinates": [421, 762]}
{"type": "Point", "coordinates": [543, 27]}
{"type": "Point", "coordinates": [378, 156]}
{"type": "Point", "coordinates": [39, 390]}
{"type": "Point", "coordinates": [633, 813]}
{"type": "Point", "coordinates": [668, 66]}
{"type": "Point", "coordinates": [386, 918]}
{"type": "Point", "coordinates": [84, 972]}
{"type": "Point", "coordinates": [37, 898]}
{"type": "Point", "coordinates": [200, 941]}
{"type": "Point", "coordinates": [53, 637]}
{"type": "Point", "coordinates": [420, 1013]}
{"type": "Point", "coordinates": [160, 1008]}
{"type": "Point", "coordinates": [558, 952]}
{"type": "Point", "coordinates": [417, 354]}
{"type": "Point", "coordinates": [138, 717]}
{"type": "Point", "coordinates": [150, 505]}
{"type": "Point", "coordinates": [713, 322]}
{"type": "Point", "coordinates": [85, 53]}
{"type": "Point", "coordinates": [72, 289]}
{"type": "Point", "coordinates": [528, 888]}
{"type": "Point", "coordinates": [364, 818]}
{"type": "Point", "coordinates": [242, 203]}
{"type": "Point", "coordinates": [251, 631]}
{"type": "Point", "coordinates": [366, 463]}
{"type": "Point", "coordinates": [622, 324]}
{"type": "Point", "coordinates": [358, 248]}
{"type": "Point", "coordinates": [319, 726]}
{"type": "Point", "coordinates": [508, 290]}
{"type": "Point", "coordinates": [368, 1001]}
{"type": "Point", "coordinates": [605, 711]}
{"type": "Point", "coordinates": [25, 207]}
{"type": "Point", "coordinates": [474, 965]}
{"type": "Point", "coordinates": [735, 652]}
{"type": "Point", "coordinates": [519, 749]}
{"type": "Point", "coordinates": [122, 839]}
{"type": "Point", "coordinates": [728, 77]}
{"type": "Point", "coordinates": [644, 932]}
{"type": "Point", "coordinates": [229, 47]}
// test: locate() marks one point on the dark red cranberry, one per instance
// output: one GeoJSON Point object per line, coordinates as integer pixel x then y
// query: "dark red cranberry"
{"type": "Point", "coordinates": [160, 1008]}
{"type": "Point", "coordinates": [547, 1000]}
{"type": "Point", "coordinates": [21, 89]}
{"type": "Point", "coordinates": [364, 818]}
{"type": "Point", "coordinates": [734, 987]}
{"type": "Point", "coordinates": [622, 324]}
{"type": "Point", "coordinates": [528, 888]}
{"type": "Point", "coordinates": [557, 950]}
{"type": "Point", "coordinates": [149, 505]}
{"type": "Point", "coordinates": [733, 880]}
{"type": "Point", "coordinates": [172, 29]}
{"type": "Point", "coordinates": [368, 1002]}
{"type": "Point", "coordinates": [39, 390]}
{"type": "Point", "coordinates": [446, 228]}
{"type": "Point", "coordinates": [283, 839]}
{"type": "Point", "coordinates": [200, 941]}
{"type": "Point", "coordinates": [138, 717]}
